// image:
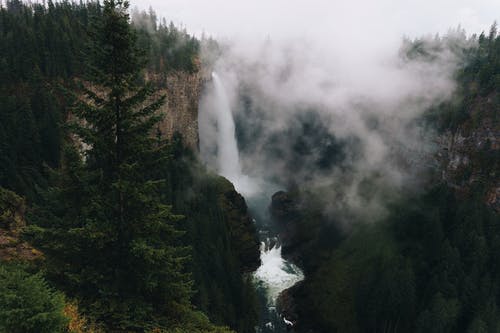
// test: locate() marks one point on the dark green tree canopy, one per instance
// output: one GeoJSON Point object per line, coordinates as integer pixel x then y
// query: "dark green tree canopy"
{"type": "Point", "coordinates": [108, 238]}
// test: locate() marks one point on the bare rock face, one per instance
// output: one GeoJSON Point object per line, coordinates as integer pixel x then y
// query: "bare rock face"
{"type": "Point", "coordinates": [470, 155]}
{"type": "Point", "coordinates": [182, 91]}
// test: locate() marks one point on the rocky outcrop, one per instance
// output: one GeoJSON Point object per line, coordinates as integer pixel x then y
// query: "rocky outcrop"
{"type": "Point", "coordinates": [285, 213]}
{"type": "Point", "coordinates": [287, 307]}
{"type": "Point", "coordinates": [470, 154]}
{"type": "Point", "coordinates": [241, 228]}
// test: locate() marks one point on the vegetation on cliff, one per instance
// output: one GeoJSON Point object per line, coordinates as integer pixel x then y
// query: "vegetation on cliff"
{"type": "Point", "coordinates": [225, 246]}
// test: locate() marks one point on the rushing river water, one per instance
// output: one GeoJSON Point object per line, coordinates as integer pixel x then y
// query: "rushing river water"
{"type": "Point", "coordinates": [273, 276]}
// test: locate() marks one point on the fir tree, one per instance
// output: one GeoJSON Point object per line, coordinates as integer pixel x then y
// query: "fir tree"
{"type": "Point", "coordinates": [108, 238]}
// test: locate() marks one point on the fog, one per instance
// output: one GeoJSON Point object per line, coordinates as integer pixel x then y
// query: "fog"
{"type": "Point", "coordinates": [285, 18]}
{"type": "Point", "coordinates": [324, 93]}
{"type": "Point", "coordinates": [334, 117]}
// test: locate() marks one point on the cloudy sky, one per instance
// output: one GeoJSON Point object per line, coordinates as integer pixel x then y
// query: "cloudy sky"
{"type": "Point", "coordinates": [300, 18]}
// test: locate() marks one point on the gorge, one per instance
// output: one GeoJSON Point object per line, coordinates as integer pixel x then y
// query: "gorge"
{"type": "Point", "coordinates": [306, 174]}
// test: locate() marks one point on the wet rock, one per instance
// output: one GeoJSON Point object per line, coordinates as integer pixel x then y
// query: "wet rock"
{"type": "Point", "coordinates": [285, 213]}
{"type": "Point", "coordinates": [288, 309]}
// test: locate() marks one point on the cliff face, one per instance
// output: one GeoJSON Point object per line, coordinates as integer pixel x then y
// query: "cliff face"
{"type": "Point", "coordinates": [182, 91]}
{"type": "Point", "coordinates": [471, 153]}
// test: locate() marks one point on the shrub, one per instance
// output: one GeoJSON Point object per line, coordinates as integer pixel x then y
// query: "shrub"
{"type": "Point", "coordinates": [27, 304]}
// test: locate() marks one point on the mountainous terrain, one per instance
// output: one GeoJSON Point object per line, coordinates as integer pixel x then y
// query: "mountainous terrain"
{"type": "Point", "coordinates": [113, 217]}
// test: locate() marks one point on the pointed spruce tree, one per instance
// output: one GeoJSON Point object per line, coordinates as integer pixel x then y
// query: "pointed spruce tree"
{"type": "Point", "coordinates": [108, 239]}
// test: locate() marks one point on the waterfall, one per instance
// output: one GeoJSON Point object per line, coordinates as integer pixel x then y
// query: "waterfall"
{"type": "Point", "coordinates": [227, 149]}
{"type": "Point", "coordinates": [228, 159]}
{"type": "Point", "coordinates": [276, 274]}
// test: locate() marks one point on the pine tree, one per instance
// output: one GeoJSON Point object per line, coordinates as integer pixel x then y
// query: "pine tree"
{"type": "Point", "coordinates": [108, 238]}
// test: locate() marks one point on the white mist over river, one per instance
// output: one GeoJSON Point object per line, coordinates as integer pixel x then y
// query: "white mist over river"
{"type": "Point", "coordinates": [219, 149]}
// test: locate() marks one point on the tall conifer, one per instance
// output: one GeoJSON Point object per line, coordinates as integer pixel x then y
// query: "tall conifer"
{"type": "Point", "coordinates": [108, 238]}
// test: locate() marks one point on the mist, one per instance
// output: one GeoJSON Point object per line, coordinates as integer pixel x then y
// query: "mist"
{"type": "Point", "coordinates": [335, 116]}
{"type": "Point", "coordinates": [324, 94]}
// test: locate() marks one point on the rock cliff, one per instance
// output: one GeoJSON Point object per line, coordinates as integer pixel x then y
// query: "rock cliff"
{"type": "Point", "coordinates": [470, 153]}
{"type": "Point", "coordinates": [182, 91]}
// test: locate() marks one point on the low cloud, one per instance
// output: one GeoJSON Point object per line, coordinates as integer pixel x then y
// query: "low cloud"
{"type": "Point", "coordinates": [338, 116]}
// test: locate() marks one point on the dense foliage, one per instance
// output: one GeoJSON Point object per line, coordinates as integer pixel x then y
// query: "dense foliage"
{"type": "Point", "coordinates": [27, 304]}
{"type": "Point", "coordinates": [166, 47]}
{"type": "Point", "coordinates": [431, 266]}
{"type": "Point", "coordinates": [108, 239]}
{"type": "Point", "coordinates": [478, 80]}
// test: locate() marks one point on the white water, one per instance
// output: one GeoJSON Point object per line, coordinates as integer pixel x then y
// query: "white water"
{"type": "Point", "coordinates": [228, 158]}
{"type": "Point", "coordinates": [273, 277]}
{"type": "Point", "coordinates": [275, 274]}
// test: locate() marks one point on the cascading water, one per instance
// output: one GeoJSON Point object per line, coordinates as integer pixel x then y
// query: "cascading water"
{"type": "Point", "coordinates": [228, 159]}
{"type": "Point", "coordinates": [275, 273]}
{"type": "Point", "coordinates": [273, 276]}
{"type": "Point", "coordinates": [227, 148]}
